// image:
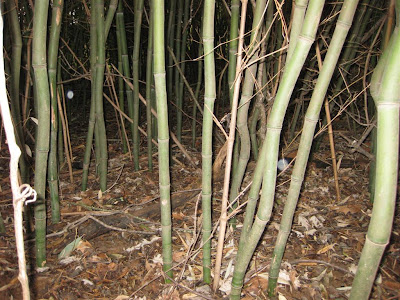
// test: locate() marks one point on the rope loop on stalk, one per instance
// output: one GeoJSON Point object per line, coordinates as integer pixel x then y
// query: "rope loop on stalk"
{"type": "Point", "coordinates": [26, 191]}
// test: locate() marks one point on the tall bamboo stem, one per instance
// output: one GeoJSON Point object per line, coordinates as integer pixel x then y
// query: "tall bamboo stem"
{"type": "Point", "coordinates": [177, 50]}
{"type": "Point", "coordinates": [243, 108]}
{"type": "Point", "coordinates": [206, 154]}
{"type": "Point", "coordinates": [100, 127]}
{"type": "Point", "coordinates": [385, 90]}
{"type": "Point", "coordinates": [293, 68]}
{"type": "Point", "coordinates": [233, 45]}
{"type": "Point", "coordinates": [52, 73]}
{"type": "Point", "coordinates": [229, 153]}
{"type": "Point", "coordinates": [42, 100]}
{"type": "Point", "coordinates": [149, 82]}
{"type": "Point", "coordinates": [311, 119]}
{"type": "Point", "coordinates": [163, 134]}
{"type": "Point", "coordinates": [179, 96]}
{"type": "Point", "coordinates": [135, 68]}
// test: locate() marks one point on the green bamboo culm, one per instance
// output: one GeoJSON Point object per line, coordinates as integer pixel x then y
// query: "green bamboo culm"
{"type": "Point", "coordinates": [100, 127]}
{"type": "Point", "coordinates": [149, 82]}
{"type": "Point", "coordinates": [206, 154]}
{"type": "Point", "coordinates": [96, 115]}
{"type": "Point", "coordinates": [121, 85]}
{"type": "Point", "coordinates": [385, 90]}
{"type": "Point", "coordinates": [92, 113]}
{"type": "Point", "coordinates": [53, 165]}
{"type": "Point", "coordinates": [177, 50]}
{"type": "Point", "coordinates": [297, 19]}
{"type": "Point", "coordinates": [135, 68]}
{"type": "Point", "coordinates": [311, 119]}
{"type": "Point", "coordinates": [120, 20]}
{"type": "Point", "coordinates": [233, 45]}
{"type": "Point", "coordinates": [163, 134]}
{"type": "Point", "coordinates": [42, 100]}
{"type": "Point", "coordinates": [270, 147]}
{"type": "Point", "coordinates": [112, 7]}
{"type": "Point", "coordinates": [170, 42]}
{"type": "Point", "coordinates": [196, 93]}
{"type": "Point", "coordinates": [179, 96]}
{"type": "Point", "coordinates": [244, 104]}
{"type": "Point", "coordinates": [15, 84]}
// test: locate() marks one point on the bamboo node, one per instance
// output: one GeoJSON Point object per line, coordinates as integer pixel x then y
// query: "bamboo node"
{"type": "Point", "coordinates": [343, 24]}
{"type": "Point", "coordinates": [307, 39]}
{"type": "Point", "coordinates": [380, 245]}
{"type": "Point", "coordinates": [310, 120]}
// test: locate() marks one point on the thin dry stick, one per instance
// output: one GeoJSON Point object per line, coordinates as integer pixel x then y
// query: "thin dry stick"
{"type": "Point", "coordinates": [20, 193]}
{"type": "Point", "coordinates": [330, 132]}
{"type": "Point", "coordinates": [231, 139]}
{"type": "Point", "coordinates": [66, 121]}
{"type": "Point", "coordinates": [65, 134]}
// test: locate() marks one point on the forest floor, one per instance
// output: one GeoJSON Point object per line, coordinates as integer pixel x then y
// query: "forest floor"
{"type": "Point", "coordinates": [119, 254]}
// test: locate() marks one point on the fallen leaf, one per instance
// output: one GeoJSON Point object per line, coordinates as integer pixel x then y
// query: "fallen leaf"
{"type": "Point", "coordinates": [326, 249]}
{"type": "Point", "coordinates": [351, 208]}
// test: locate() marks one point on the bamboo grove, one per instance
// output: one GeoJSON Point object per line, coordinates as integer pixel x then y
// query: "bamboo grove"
{"type": "Point", "coordinates": [172, 68]}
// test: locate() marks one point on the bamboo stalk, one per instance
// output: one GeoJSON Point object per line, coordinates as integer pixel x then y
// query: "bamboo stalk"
{"type": "Point", "coordinates": [149, 82]}
{"type": "Point", "coordinates": [310, 121]}
{"type": "Point", "coordinates": [42, 99]}
{"type": "Point", "coordinates": [52, 73]}
{"type": "Point", "coordinates": [135, 72]}
{"type": "Point", "coordinates": [163, 134]}
{"type": "Point", "coordinates": [229, 154]}
{"type": "Point", "coordinates": [385, 91]}
{"type": "Point", "coordinates": [206, 152]}
{"type": "Point", "coordinates": [292, 71]}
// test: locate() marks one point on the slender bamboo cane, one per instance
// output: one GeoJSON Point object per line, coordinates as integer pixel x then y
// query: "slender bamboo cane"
{"type": "Point", "coordinates": [101, 137]}
{"type": "Point", "coordinates": [52, 73]}
{"type": "Point", "coordinates": [170, 42]}
{"type": "Point", "coordinates": [259, 109]}
{"type": "Point", "coordinates": [247, 94]}
{"type": "Point", "coordinates": [163, 133]}
{"type": "Point", "coordinates": [110, 16]}
{"type": "Point", "coordinates": [96, 118]}
{"type": "Point", "coordinates": [42, 100]}
{"type": "Point", "coordinates": [230, 145]}
{"type": "Point", "coordinates": [92, 114]}
{"type": "Point", "coordinates": [121, 86]}
{"type": "Point", "coordinates": [177, 50]}
{"type": "Point", "coordinates": [209, 99]}
{"type": "Point", "coordinates": [196, 93]}
{"type": "Point", "coordinates": [179, 96]}
{"type": "Point", "coordinates": [15, 84]}
{"type": "Point", "coordinates": [125, 61]}
{"type": "Point", "coordinates": [135, 68]}
{"type": "Point", "coordinates": [233, 45]}
{"type": "Point", "coordinates": [292, 71]}
{"type": "Point", "coordinates": [149, 82]}
{"type": "Point", "coordinates": [385, 91]}
{"type": "Point", "coordinates": [311, 119]}
{"type": "Point", "coordinates": [353, 43]}
{"type": "Point", "coordinates": [297, 21]}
